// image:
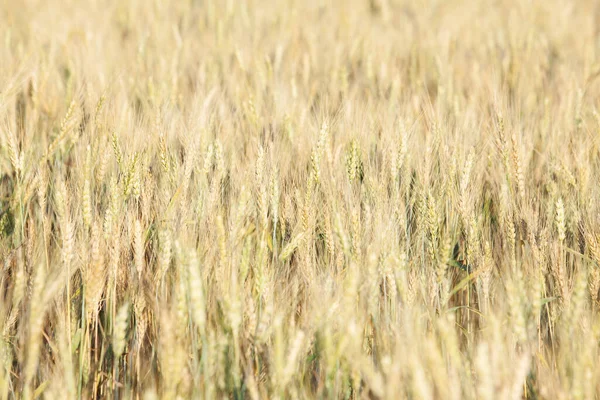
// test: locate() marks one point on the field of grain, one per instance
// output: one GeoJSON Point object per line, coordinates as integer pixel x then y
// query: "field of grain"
{"type": "Point", "coordinates": [287, 199]}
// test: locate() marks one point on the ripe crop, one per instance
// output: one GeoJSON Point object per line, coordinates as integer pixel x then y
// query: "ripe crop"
{"type": "Point", "coordinates": [299, 199]}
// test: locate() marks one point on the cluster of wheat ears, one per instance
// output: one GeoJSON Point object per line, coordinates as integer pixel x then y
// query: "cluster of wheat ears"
{"type": "Point", "coordinates": [299, 199]}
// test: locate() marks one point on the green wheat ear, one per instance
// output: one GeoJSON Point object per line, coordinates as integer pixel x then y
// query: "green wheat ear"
{"type": "Point", "coordinates": [460, 265]}
{"type": "Point", "coordinates": [454, 262]}
{"type": "Point", "coordinates": [7, 220]}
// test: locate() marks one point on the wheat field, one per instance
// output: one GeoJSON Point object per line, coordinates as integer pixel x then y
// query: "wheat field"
{"type": "Point", "coordinates": [288, 199]}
